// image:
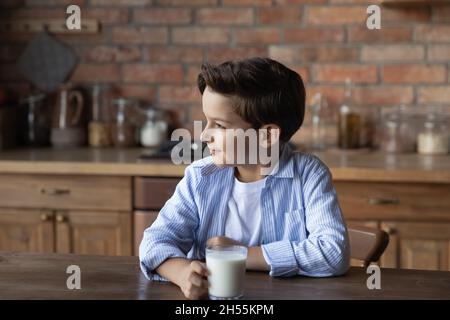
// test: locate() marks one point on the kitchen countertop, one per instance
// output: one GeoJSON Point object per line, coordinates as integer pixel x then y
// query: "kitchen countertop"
{"type": "Point", "coordinates": [351, 166]}
{"type": "Point", "coordinates": [43, 276]}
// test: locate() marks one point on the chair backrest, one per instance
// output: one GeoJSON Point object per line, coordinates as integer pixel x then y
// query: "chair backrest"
{"type": "Point", "coordinates": [367, 244]}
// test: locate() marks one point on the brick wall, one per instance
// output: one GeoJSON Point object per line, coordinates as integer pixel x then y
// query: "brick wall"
{"type": "Point", "coordinates": [152, 49]}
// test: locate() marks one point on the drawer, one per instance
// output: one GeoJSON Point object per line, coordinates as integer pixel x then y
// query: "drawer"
{"type": "Point", "coordinates": [65, 192]}
{"type": "Point", "coordinates": [394, 201]}
{"type": "Point", "coordinates": [152, 193]}
{"type": "Point", "coordinates": [142, 220]}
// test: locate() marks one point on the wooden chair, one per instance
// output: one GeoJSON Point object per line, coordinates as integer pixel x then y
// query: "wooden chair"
{"type": "Point", "coordinates": [367, 244]}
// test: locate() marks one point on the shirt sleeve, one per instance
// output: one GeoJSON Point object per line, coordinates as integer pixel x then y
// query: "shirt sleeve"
{"type": "Point", "coordinates": [172, 233]}
{"type": "Point", "coordinates": [326, 250]}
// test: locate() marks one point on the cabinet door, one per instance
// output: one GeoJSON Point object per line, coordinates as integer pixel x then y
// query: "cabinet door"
{"type": "Point", "coordinates": [26, 230]}
{"type": "Point", "coordinates": [93, 232]}
{"type": "Point", "coordinates": [417, 246]}
{"type": "Point", "coordinates": [142, 220]}
{"type": "Point", "coordinates": [355, 224]}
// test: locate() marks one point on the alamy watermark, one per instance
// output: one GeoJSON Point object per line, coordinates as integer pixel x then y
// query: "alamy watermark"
{"type": "Point", "coordinates": [230, 146]}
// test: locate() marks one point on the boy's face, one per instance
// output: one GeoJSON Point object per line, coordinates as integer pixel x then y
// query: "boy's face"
{"type": "Point", "coordinates": [218, 110]}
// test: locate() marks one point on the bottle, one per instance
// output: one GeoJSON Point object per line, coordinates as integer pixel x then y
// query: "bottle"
{"type": "Point", "coordinates": [99, 129]}
{"type": "Point", "coordinates": [321, 121]}
{"type": "Point", "coordinates": [434, 137]}
{"type": "Point", "coordinates": [349, 121]}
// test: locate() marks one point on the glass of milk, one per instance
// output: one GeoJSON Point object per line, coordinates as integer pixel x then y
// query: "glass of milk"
{"type": "Point", "coordinates": [226, 266]}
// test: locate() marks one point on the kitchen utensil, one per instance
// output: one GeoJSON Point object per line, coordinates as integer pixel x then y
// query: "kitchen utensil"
{"type": "Point", "coordinates": [46, 62]}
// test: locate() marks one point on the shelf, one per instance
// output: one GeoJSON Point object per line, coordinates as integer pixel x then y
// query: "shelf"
{"type": "Point", "coordinates": [51, 25]}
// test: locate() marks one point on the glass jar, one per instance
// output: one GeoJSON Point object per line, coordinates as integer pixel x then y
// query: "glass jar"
{"type": "Point", "coordinates": [434, 137]}
{"type": "Point", "coordinates": [154, 130]}
{"type": "Point", "coordinates": [123, 128]}
{"type": "Point", "coordinates": [35, 119]}
{"type": "Point", "coordinates": [396, 134]}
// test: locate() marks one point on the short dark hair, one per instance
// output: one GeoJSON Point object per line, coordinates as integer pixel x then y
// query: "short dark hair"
{"type": "Point", "coordinates": [265, 91]}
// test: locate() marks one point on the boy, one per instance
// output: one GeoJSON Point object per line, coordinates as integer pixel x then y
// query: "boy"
{"type": "Point", "coordinates": [290, 219]}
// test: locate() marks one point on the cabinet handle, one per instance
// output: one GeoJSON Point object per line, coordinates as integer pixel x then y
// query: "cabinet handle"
{"type": "Point", "coordinates": [45, 217]}
{"type": "Point", "coordinates": [381, 201]}
{"type": "Point", "coordinates": [60, 218]}
{"type": "Point", "coordinates": [55, 191]}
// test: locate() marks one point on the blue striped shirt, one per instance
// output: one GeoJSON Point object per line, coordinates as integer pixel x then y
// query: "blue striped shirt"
{"type": "Point", "coordinates": [302, 228]}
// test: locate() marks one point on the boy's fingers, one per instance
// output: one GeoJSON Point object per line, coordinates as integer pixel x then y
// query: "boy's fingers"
{"type": "Point", "coordinates": [196, 280]}
{"type": "Point", "coordinates": [199, 268]}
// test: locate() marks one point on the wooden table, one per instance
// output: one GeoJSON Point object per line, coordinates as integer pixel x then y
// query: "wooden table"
{"type": "Point", "coordinates": [43, 276]}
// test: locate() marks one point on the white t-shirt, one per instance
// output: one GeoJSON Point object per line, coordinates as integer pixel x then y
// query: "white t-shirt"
{"type": "Point", "coordinates": [243, 222]}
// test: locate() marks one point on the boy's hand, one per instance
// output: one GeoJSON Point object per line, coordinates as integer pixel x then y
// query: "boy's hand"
{"type": "Point", "coordinates": [193, 280]}
{"type": "Point", "coordinates": [222, 241]}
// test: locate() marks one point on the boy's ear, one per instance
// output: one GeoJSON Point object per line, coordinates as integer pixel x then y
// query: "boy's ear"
{"type": "Point", "coordinates": [269, 135]}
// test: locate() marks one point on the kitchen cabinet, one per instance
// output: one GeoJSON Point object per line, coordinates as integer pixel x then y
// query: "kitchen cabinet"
{"type": "Point", "coordinates": [415, 215]}
{"type": "Point", "coordinates": [417, 246]}
{"type": "Point", "coordinates": [66, 214]}
{"type": "Point", "coordinates": [26, 230]}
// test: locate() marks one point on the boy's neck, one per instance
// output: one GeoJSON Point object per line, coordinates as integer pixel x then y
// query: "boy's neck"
{"type": "Point", "coordinates": [249, 173]}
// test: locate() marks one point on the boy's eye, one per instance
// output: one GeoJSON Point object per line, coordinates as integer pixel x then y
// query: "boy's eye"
{"type": "Point", "coordinates": [219, 126]}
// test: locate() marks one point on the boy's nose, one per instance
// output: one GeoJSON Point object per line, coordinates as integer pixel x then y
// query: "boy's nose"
{"type": "Point", "coordinates": [206, 136]}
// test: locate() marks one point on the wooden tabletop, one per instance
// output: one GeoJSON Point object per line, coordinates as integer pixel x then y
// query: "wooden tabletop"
{"type": "Point", "coordinates": [362, 165]}
{"type": "Point", "coordinates": [43, 276]}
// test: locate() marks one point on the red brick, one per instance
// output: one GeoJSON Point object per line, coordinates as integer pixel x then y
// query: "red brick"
{"type": "Point", "coordinates": [221, 54]}
{"type": "Point", "coordinates": [327, 15]}
{"type": "Point", "coordinates": [113, 54]}
{"type": "Point", "coordinates": [192, 74]}
{"type": "Point", "coordinates": [174, 54]}
{"type": "Point", "coordinates": [439, 52]}
{"type": "Point", "coordinates": [441, 14]}
{"type": "Point", "coordinates": [144, 35]}
{"type": "Point", "coordinates": [144, 93]}
{"type": "Point", "coordinates": [96, 73]}
{"type": "Point", "coordinates": [366, 2]}
{"type": "Point", "coordinates": [260, 35]}
{"type": "Point", "coordinates": [187, 2]}
{"type": "Point", "coordinates": [382, 96]}
{"type": "Point", "coordinates": [38, 13]}
{"type": "Point", "coordinates": [384, 35]}
{"type": "Point", "coordinates": [397, 74]}
{"type": "Point", "coordinates": [313, 35]}
{"type": "Point", "coordinates": [30, 3]}
{"type": "Point", "coordinates": [336, 73]}
{"type": "Point", "coordinates": [120, 3]}
{"type": "Point", "coordinates": [236, 3]}
{"type": "Point", "coordinates": [333, 94]}
{"type": "Point", "coordinates": [166, 16]}
{"type": "Point", "coordinates": [196, 113]}
{"type": "Point", "coordinates": [312, 54]}
{"type": "Point", "coordinates": [372, 53]}
{"type": "Point", "coordinates": [433, 33]}
{"type": "Point", "coordinates": [406, 15]}
{"type": "Point", "coordinates": [290, 2]}
{"type": "Point", "coordinates": [158, 73]}
{"type": "Point", "coordinates": [106, 16]}
{"type": "Point", "coordinates": [198, 35]}
{"type": "Point", "coordinates": [179, 94]}
{"type": "Point", "coordinates": [439, 94]}
{"type": "Point", "coordinates": [279, 15]}
{"type": "Point", "coordinates": [225, 16]}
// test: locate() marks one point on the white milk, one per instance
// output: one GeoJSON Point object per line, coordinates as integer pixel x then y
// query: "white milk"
{"type": "Point", "coordinates": [227, 271]}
